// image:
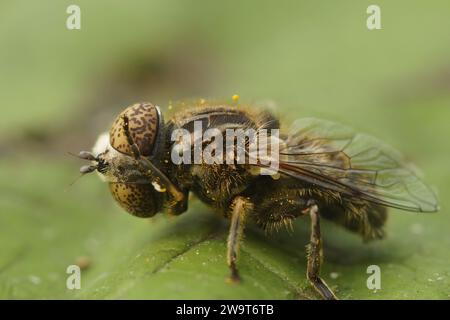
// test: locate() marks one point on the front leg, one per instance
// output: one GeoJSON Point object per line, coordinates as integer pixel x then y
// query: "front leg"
{"type": "Point", "coordinates": [147, 168]}
{"type": "Point", "coordinates": [239, 210]}
{"type": "Point", "coordinates": [315, 254]}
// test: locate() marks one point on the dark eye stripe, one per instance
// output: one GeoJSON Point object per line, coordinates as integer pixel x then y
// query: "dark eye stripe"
{"type": "Point", "coordinates": [143, 126]}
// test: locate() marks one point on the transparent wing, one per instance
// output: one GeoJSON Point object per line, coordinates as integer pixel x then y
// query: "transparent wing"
{"type": "Point", "coordinates": [335, 157]}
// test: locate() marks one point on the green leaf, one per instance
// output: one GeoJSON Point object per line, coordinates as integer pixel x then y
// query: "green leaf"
{"type": "Point", "coordinates": [61, 88]}
{"type": "Point", "coordinates": [184, 257]}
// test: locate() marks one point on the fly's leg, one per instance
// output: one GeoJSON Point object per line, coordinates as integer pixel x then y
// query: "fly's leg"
{"type": "Point", "coordinates": [239, 209]}
{"type": "Point", "coordinates": [315, 254]}
{"type": "Point", "coordinates": [148, 169]}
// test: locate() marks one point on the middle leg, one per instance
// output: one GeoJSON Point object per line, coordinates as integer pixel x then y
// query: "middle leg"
{"type": "Point", "coordinates": [239, 210]}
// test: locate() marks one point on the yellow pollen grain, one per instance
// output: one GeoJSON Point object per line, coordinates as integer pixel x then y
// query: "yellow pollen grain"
{"type": "Point", "coordinates": [235, 97]}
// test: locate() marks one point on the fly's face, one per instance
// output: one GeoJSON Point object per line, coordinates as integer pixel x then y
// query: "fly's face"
{"type": "Point", "coordinates": [131, 185]}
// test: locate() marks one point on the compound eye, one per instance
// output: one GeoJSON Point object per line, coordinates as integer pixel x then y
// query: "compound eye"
{"type": "Point", "coordinates": [144, 123]}
{"type": "Point", "coordinates": [140, 200]}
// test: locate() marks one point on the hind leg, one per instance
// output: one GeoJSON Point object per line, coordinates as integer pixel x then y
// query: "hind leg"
{"type": "Point", "coordinates": [277, 204]}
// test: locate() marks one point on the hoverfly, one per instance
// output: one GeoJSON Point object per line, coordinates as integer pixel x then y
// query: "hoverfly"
{"type": "Point", "coordinates": [325, 170]}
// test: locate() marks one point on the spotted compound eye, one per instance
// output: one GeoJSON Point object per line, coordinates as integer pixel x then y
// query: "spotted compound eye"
{"type": "Point", "coordinates": [143, 124]}
{"type": "Point", "coordinates": [140, 200]}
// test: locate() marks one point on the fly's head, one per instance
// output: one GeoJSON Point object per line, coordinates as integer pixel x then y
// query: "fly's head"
{"type": "Point", "coordinates": [116, 157]}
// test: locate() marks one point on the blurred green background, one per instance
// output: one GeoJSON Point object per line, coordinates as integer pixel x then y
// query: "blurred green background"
{"type": "Point", "coordinates": [60, 88]}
